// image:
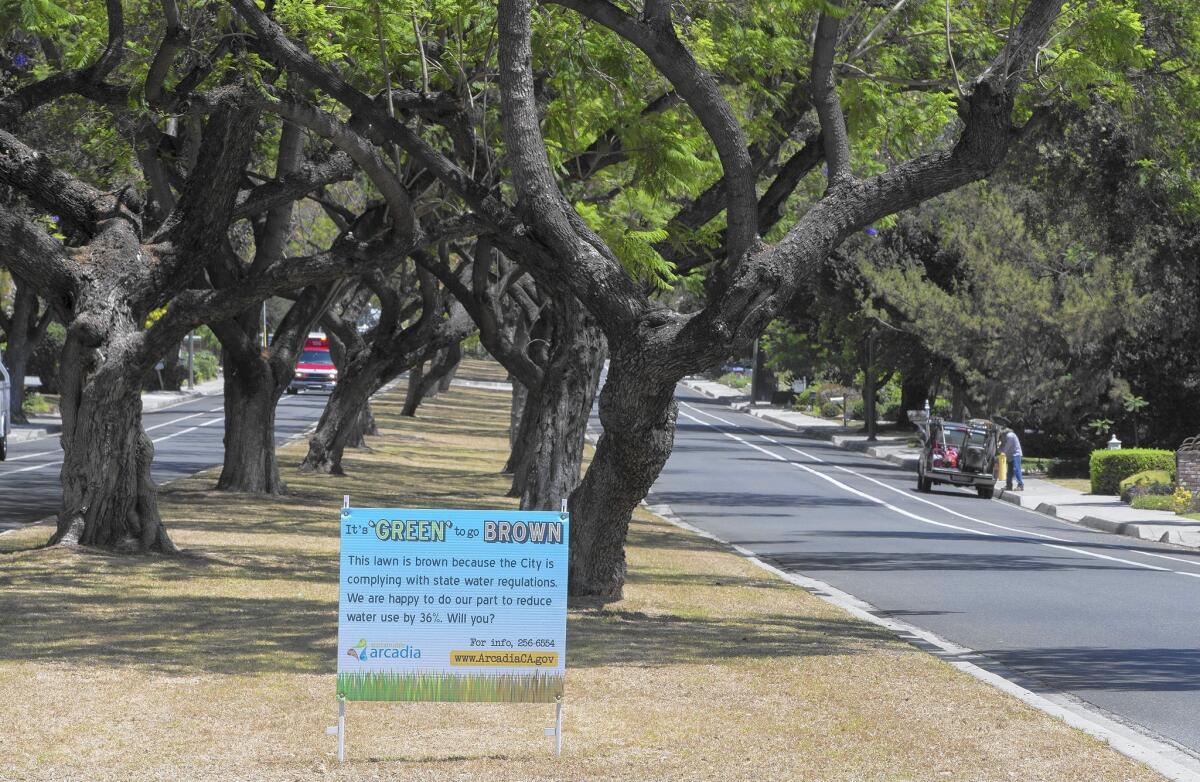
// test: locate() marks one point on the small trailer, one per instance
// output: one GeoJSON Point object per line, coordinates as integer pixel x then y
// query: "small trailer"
{"type": "Point", "coordinates": [960, 454]}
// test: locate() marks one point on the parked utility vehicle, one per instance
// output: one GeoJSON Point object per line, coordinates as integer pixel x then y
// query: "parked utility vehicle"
{"type": "Point", "coordinates": [960, 454]}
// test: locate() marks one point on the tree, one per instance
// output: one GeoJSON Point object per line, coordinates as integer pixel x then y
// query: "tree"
{"type": "Point", "coordinates": [1030, 317]}
{"type": "Point", "coordinates": [652, 347]}
{"type": "Point", "coordinates": [23, 328]}
{"type": "Point", "coordinates": [125, 255]}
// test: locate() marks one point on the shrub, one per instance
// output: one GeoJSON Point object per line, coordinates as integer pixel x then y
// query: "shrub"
{"type": "Point", "coordinates": [734, 380]}
{"type": "Point", "coordinates": [1156, 482]}
{"type": "Point", "coordinates": [1154, 502]}
{"type": "Point", "coordinates": [858, 410]}
{"type": "Point", "coordinates": [36, 404]}
{"type": "Point", "coordinates": [831, 410]}
{"type": "Point", "coordinates": [804, 399]}
{"type": "Point", "coordinates": [1035, 464]}
{"type": "Point", "coordinates": [204, 365]}
{"type": "Point", "coordinates": [1182, 501]}
{"type": "Point", "coordinates": [1108, 468]}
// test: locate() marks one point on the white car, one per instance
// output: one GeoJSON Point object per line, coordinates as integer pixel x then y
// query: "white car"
{"type": "Point", "coordinates": [5, 414]}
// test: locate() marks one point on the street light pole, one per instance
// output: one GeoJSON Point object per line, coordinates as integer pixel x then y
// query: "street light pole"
{"type": "Point", "coordinates": [191, 356]}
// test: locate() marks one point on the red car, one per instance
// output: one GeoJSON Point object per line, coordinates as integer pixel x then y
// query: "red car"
{"type": "Point", "coordinates": [314, 369]}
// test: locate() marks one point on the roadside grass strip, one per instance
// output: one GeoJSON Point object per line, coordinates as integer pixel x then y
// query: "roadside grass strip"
{"type": "Point", "coordinates": [533, 687]}
{"type": "Point", "coordinates": [221, 664]}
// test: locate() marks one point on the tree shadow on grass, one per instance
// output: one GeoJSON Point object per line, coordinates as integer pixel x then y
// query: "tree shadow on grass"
{"type": "Point", "coordinates": [62, 618]}
{"type": "Point", "coordinates": [616, 637]}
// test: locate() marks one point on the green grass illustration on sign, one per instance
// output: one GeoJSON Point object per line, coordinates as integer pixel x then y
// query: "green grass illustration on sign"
{"type": "Point", "coordinates": [536, 687]}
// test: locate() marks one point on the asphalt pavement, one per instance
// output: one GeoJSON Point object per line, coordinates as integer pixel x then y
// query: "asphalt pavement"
{"type": "Point", "coordinates": [188, 437]}
{"type": "Point", "coordinates": [1113, 622]}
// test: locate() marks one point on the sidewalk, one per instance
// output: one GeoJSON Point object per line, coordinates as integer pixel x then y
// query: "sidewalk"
{"type": "Point", "coordinates": [1105, 513]}
{"type": "Point", "coordinates": [47, 426]}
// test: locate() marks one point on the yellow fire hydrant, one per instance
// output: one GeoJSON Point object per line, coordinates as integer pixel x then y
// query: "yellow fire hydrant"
{"type": "Point", "coordinates": [1001, 467]}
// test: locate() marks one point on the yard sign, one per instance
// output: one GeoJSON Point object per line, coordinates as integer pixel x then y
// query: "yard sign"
{"type": "Point", "coordinates": [442, 605]}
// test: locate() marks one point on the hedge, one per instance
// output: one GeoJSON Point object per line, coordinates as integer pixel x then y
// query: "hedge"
{"type": "Point", "coordinates": [1108, 468]}
{"type": "Point", "coordinates": [1147, 482]}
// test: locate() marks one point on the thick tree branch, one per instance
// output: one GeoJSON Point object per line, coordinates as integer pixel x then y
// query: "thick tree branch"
{"type": "Point", "coordinates": [35, 256]}
{"type": "Point", "coordinates": [829, 107]}
{"type": "Point", "coordinates": [82, 81]}
{"type": "Point", "coordinates": [53, 189]}
{"type": "Point", "coordinates": [339, 167]}
{"type": "Point", "coordinates": [363, 153]}
{"type": "Point", "coordinates": [656, 38]}
{"type": "Point", "coordinates": [607, 290]}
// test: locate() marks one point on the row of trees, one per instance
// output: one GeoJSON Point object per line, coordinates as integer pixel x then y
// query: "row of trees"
{"type": "Point", "coordinates": [1059, 295]}
{"type": "Point", "coordinates": [655, 182]}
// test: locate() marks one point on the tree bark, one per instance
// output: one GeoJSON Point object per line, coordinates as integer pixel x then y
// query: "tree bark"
{"type": "Point", "coordinates": [25, 330]}
{"type": "Point", "coordinates": [638, 411]}
{"type": "Point", "coordinates": [516, 412]}
{"type": "Point", "coordinates": [414, 389]}
{"type": "Point", "coordinates": [364, 425]}
{"type": "Point", "coordinates": [453, 362]}
{"type": "Point", "coordinates": [109, 499]}
{"type": "Point", "coordinates": [425, 384]}
{"type": "Point", "coordinates": [363, 377]}
{"type": "Point", "coordinates": [565, 401]}
{"type": "Point", "coordinates": [252, 392]}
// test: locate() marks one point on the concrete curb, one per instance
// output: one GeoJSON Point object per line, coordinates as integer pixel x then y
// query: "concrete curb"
{"type": "Point", "coordinates": [907, 458]}
{"type": "Point", "coordinates": [1133, 741]}
{"type": "Point", "coordinates": [732, 399]}
{"type": "Point", "coordinates": [1158, 533]}
{"type": "Point", "coordinates": [25, 434]}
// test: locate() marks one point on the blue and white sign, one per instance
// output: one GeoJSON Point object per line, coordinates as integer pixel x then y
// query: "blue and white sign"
{"type": "Point", "coordinates": [444, 605]}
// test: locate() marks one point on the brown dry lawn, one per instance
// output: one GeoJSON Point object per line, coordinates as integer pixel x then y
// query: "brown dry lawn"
{"type": "Point", "coordinates": [220, 665]}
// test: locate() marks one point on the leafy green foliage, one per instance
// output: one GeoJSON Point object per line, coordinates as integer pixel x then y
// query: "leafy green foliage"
{"type": "Point", "coordinates": [1146, 482]}
{"type": "Point", "coordinates": [1027, 315]}
{"type": "Point", "coordinates": [1108, 468]}
{"type": "Point", "coordinates": [1153, 502]}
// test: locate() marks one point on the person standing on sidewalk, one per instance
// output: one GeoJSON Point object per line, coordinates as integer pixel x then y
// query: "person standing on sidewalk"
{"type": "Point", "coordinates": [1012, 451]}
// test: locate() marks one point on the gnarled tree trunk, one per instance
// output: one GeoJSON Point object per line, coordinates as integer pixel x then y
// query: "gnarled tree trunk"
{"type": "Point", "coordinates": [342, 416]}
{"type": "Point", "coordinates": [638, 412]}
{"type": "Point", "coordinates": [252, 392]}
{"type": "Point", "coordinates": [423, 384]}
{"type": "Point", "coordinates": [109, 498]}
{"type": "Point", "coordinates": [564, 402]}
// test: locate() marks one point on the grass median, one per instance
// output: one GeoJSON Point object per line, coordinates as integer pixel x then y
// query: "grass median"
{"type": "Point", "coordinates": [221, 664]}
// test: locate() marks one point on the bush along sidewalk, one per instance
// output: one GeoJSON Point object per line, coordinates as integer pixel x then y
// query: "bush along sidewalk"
{"type": "Point", "coordinates": [1108, 468]}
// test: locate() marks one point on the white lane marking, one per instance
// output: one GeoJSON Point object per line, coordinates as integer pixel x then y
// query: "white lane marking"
{"type": "Point", "coordinates": [30, 469]}
{"type": "Point", "coordinates": [1040, 515]}
{"type": "Point", "coordinates": [148, 429]}
{"type": "Point", "coordinates": [32, 455]}
{"type": "Point", "coordinates": [905, 513]}
{"type": "Point", "coordinates": [175, 421]}
{"type": "Point", "coordinates": [189, 429]}
{"type": "Point", "coordinates": [155, 440]}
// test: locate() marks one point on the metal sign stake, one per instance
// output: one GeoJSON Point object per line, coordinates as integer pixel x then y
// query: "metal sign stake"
{"type": "Point", "coordinates": [556, 731]}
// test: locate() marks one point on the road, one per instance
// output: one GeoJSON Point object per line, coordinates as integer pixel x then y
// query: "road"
{"type": "Point", "coordinates": [187, 438]}
{"type": "Point", "coordinates": [1112, 621]}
